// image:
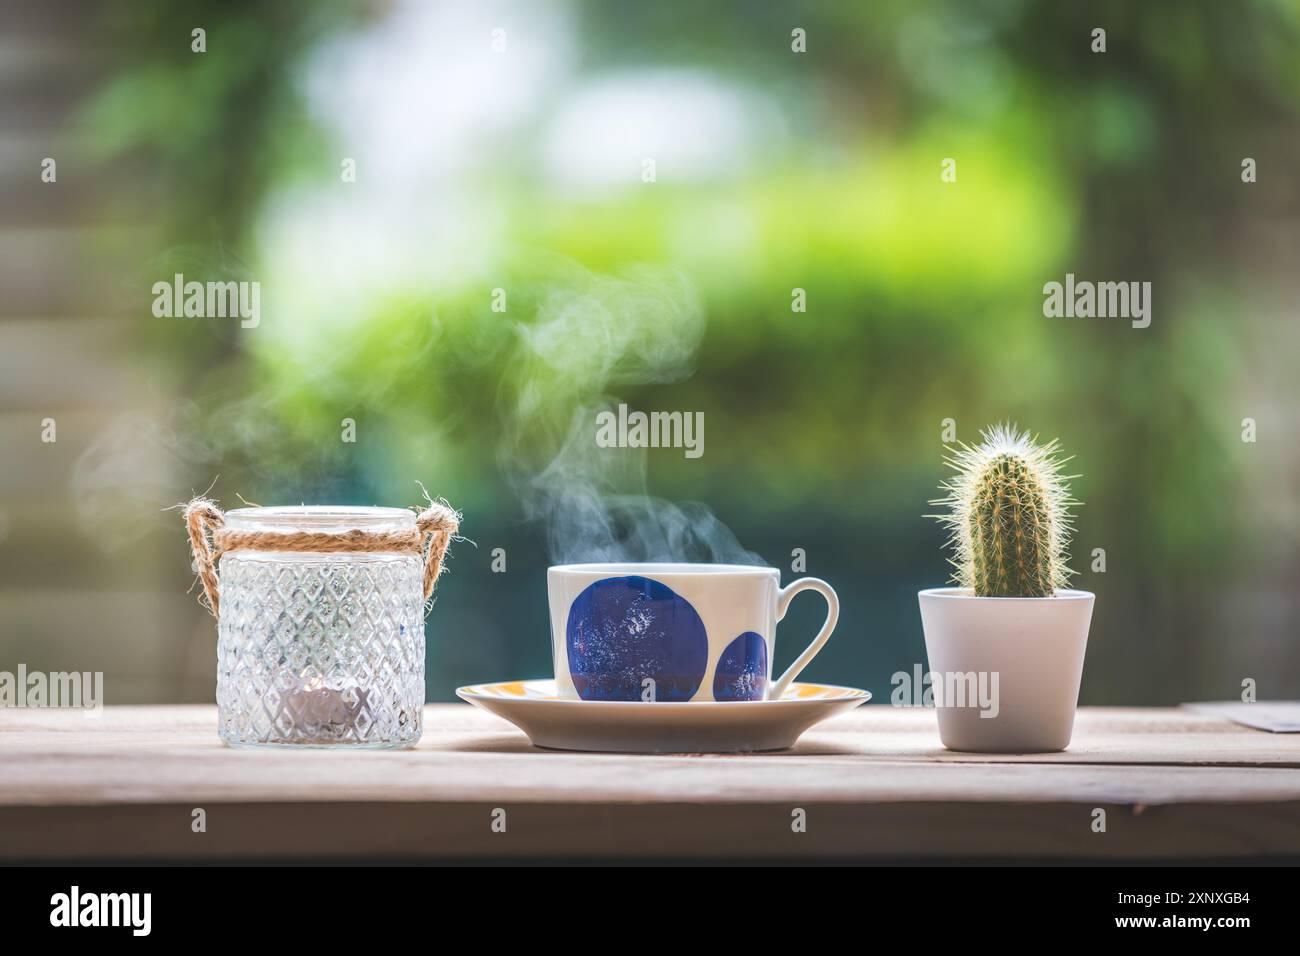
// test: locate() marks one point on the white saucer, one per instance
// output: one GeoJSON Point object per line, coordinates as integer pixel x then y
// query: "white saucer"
{"type": "Point", "coordinates": [618, 726]}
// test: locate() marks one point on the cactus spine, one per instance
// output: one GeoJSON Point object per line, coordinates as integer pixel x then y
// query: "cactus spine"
{"type": "Point", "coordinates": [1008, 514]}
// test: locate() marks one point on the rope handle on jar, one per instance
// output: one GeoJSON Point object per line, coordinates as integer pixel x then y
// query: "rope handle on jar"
{"type": "Point", "coordinates": [435, 526]}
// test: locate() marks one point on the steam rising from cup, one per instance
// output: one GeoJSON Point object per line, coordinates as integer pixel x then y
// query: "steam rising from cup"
{"type": "Point", "coordinates": [591, 334]}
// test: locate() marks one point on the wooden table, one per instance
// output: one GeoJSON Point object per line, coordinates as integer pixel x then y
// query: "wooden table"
{"type": "Point", "coordinates": [874, 783]}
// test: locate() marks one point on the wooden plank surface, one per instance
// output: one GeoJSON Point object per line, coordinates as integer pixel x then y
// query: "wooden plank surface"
{"type": "Point", "coordinates": [874, 782]}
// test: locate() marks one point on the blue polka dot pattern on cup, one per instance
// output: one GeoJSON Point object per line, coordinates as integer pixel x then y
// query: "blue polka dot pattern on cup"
{"type": "Point", "coordinates": [624, 630]}
{"type": "Point", "coordinates": [742, 669]}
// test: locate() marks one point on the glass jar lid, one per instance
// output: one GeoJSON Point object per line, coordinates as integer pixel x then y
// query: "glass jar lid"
{"type": "Point", "coordinates": [325, 519]}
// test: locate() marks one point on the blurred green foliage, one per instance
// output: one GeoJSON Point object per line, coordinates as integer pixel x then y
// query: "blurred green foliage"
{"type": "Point", "coordinates": [924, 297]}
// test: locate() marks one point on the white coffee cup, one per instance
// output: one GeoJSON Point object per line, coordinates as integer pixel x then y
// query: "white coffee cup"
{"type": "Point", "coordinates": [673, 632]}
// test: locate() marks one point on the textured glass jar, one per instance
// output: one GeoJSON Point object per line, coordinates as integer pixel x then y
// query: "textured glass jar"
{"type": "Point", "coordinates": [320, 649]}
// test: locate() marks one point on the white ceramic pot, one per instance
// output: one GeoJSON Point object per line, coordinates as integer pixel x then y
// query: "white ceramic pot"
{"type": "Point", "coordinates": [1005, 671]}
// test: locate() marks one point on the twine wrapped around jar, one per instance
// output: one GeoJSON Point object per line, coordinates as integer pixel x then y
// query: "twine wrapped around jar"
{"type": "Point", "coordinates": [435, 526]}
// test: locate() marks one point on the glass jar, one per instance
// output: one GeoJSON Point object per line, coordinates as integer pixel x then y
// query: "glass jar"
{"type": "Point", "coordinates": [320, 649]}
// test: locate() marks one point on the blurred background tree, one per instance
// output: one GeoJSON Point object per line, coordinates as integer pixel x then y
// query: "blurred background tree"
{"type": "Point", "coordinates": [503, 146]}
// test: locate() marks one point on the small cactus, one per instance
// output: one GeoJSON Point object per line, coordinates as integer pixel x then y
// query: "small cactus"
{"type": "Point", "coordinates": [1009, 514]}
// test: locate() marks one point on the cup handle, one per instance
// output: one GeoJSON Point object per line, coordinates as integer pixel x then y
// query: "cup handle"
{"type": "Point", "coordinates": [783, 599]}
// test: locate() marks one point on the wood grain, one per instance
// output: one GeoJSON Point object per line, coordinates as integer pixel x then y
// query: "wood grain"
{"type": "Point", "coordinates": [874, 783]}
